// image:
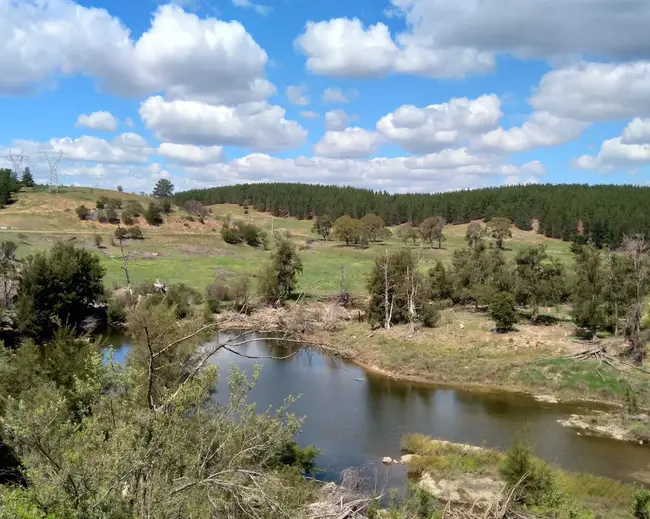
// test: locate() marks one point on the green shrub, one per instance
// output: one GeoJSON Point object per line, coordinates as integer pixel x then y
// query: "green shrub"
{"type": "Point", "coordinates": [98, 240]}
{"type": "Point", "coordinates": [82, 212]}
{"type": "Point", "coordinates": [101, 202]}
{"type": "Point", "coordinates": [114, 203]}
{"type": "Point", "coordinates": [219, 291]}
{"type": "Point", "coordinates": [135, 233]}
{"type": "Point", "coordinates": [121, 233]}
{"type": "Point", "coordinates": [530, 478]}
{"type": "Point", "coordinates": [182, 298]}
{"type": "Point", "coordinates": [120, 189]}
{"type": "Point", "coordinates": [128, 218]}
{"type": "Point", "coordinates": [503, 311]}
{"type": "Point", "coordinates": [135, 207]}
{"type": "Point", "coordinates": [642, 504]}
{"type": "Point", "coordinates": [430, 315]}
{"type": "Point", "coordinates": [111, 215]}
{"type": "Point", "coordinates": [213, 305]}
{"type": "Point", "coordinates": [116, 312]}
{"type": "Point", "coordinates": [153, 214]}
{"type": "Point", "coordinates": [301, 457]}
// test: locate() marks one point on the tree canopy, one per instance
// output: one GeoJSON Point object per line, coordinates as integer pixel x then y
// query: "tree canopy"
{"type": "Point", "coordinates": [163, 189]}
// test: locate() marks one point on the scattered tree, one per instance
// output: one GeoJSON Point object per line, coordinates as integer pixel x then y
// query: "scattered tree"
{"type": "Point", "coordinates": [406, 232]}
{"type": "Point", "coordinates": [166, 205]}
{"type": "Point", "coordinates": [278, 277]}
{"type": "Point", "coordinates": [120, 188]}
{"type": "Point", "coordinates": [243, 232]}
{"type": "Point", "coordinates": [588, 295]}
{"type": "Point", "coordinates": [163, 189]}
{"type": "Point", "coordinates": [114, 203]}
{"type": "Point", "coordinates": [57, 289]}
{"type": "Point", "coordinates": [635, 249]}
{"type": "Point", "coordinates": [8, 186]}
{"type": "Point", "coordinates": [349, 230]}
{"type": "Point", "coordinates": [112, 216]}
{"type": "Point", "coordinates": [135, 208]}
{"type": "Point", "coordinates": [102, 201]}
{"type": "Point", "coordinates": [127, 216]}
{"type": "Point", "coordinates": [27, 180]}
{"type": "Point", "coordinates": [474, 234]}
{"type": "Point", "coordinates": [503, 311]}
{"type": "Point", "coordinates": [500, 229]}
{"type": "Point", "coordinates": [82, 212]}
{"type": "Point", "coordinates": [121, 233]}
{"type": "Point", "coordinates": [441, 282]}
{"type": "Point", "coordinates": [322, 226]}
{"type": "Point", "coordinates": [98, 240]}
{"type": "Point", "coordinates": [8, 270]}
{"type": "Point", "coordinates": [135, 233]}
{"type": "Point", "coordinates": [431, 230]}
{"type": "Point", "coordinates": [372, 225]}
{"type": "Point", "coordinates": [153, 214]}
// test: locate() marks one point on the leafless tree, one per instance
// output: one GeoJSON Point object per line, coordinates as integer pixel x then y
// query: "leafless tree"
{"type": "Point", "coordinates": [413, 285]}
{"type": "Point", "coordinates": [389, 294]}
{"type": "Point", "coordinates": [635, 249]}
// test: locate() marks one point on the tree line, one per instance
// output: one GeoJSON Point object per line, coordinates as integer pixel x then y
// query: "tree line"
{"type": "Point", "coordinates": [601, 214]}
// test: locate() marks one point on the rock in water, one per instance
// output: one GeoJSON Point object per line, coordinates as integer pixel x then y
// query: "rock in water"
{"type": "Point", "coordinates": [387, 460]}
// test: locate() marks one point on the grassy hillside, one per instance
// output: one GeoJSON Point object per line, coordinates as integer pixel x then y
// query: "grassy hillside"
{"type": "Point", "coordinates": [191, 252]}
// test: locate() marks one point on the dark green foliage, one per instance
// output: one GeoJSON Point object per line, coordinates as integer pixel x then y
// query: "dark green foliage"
{"type": "Point", "coordinates": [429, 315]}
{"type": "Point", "coordinates": [166, 205]}
{"type": "Point", "coordinates": [135, 233]}
{"type": "Point", "coordinates": [116, 312]}
{"type": "Point", "coordinates": [431, 230]}
{"type": "Point", "coordinates": [540, 280]}
{"type": "Point", "coordinates": [182, 298]}
{"type": "Point", "coordinates": [135, 208]}
{"type": "Point", "coordinates": [163, 189]}
{"type": "Point", "coordinates": [114, 203]}
{"type": "Point", "coordinates": [111, 215]}
{"type": "Point", "coordinates": [101, 216]}
{"type": "Point", "coordinates": [82, 212]}
{"type": "Point", "coordinates": [441, 282]}
{"type": "Point", "coordinates": [153, 214]}
{"type": "Point", "coordinates": [8, 186]}
{"type": "Point", "coordinates": [500, 229]}
{"type": "Point", "coordinates": [278, 278]}
{"type": "Point", "coordinates": [56, 289]}
{"type": "Point", "coordinates": [302, 457]}
{"type": "Point", "coordinates": [322, 226]}
{"type": "Point", "coordinates": [121, 233]}
{"type": "Point", "coordinates": [243, 232]}
{"type": "Point", "coordinates": [588, 296]}
{"type": "Point", "coordinates": [479, 273]}
{"type": "Point", "coordinates": [350, 230]}
{"type": "Point", "coordinates": [641, 504]}
{"type": "Point", "coordinates": [27, 179]}
{"type": "Point", "coordinates": [530, 477]}
{"type": "Point", "coordinates": [128, 218]}
{"type": "Point", "coordinates": [503, 311]}
{"type": "Point", "coordinates": [98, 240]}
{"type": "Point", "coordinates": [607, 212]}
{"type": "Point", "coordinates": [120, 189]}
{"type": "Point", "coordinates": [102, 202]}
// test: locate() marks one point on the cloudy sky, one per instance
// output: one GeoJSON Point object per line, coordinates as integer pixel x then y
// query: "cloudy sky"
{"type": "Point", "coordinates": [401, 95]}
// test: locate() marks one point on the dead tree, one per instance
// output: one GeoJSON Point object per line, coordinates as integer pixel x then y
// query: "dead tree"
{"type": "Point", "coordinates": [389, 293]}
{"type": "Point", "coordinates": [635, 249]}
{"type": "Point", "coordinates": [413, 284]}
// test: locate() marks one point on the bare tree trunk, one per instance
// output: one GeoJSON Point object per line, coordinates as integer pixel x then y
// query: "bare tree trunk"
{"type": "Point", "coordinates": [388, 308]}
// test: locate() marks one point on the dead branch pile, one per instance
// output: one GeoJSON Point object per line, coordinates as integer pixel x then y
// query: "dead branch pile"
{"type": "Point", "coordinates": [348, 500]}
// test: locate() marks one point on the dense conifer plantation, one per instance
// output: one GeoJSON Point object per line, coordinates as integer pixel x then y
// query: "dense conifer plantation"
{"type": "Point", "coordinates": [601, 214]}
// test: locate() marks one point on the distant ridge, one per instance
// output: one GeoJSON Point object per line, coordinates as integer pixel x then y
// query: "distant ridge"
{"type": "Point", "coordinates": [603, 213]}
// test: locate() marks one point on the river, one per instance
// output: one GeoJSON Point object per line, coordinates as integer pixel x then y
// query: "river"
{"type": "Point", "coordinates": [357, 417]}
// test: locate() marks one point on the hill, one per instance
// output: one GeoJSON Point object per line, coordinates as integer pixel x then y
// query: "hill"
{"type": "Point", "coordinates": [185, 250]}
{"type": "Point", "coordinates": [603, 214]}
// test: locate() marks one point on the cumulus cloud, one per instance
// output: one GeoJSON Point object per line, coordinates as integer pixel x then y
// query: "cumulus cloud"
{"type": "Point", "coordinates": [296, 95]}
{"type": "Point", "coordinates": [256, 126]}
{"type": "Point", "coordinates": [258, 8]}
{"type": "Point", "coordinates": [631, 149]}
{"type": "Point", "coordinates": [596, 91]}
{"type": "Point", "coordinates": [541, 130]}
{"type": "Point", "coordinates": [349, 143]}
{"type": "Point", "coordinates": [103, 121]}
{"type": "Point", "coordinates": [308, 114]}
{"type": "Point", "coordinates": [180, 54]}
{"type": "Point", "coordinates": [337, 119]}
{"type": "Point", "coordinates": [334, 95]}
{"type": "Point", "coordinates": [346, 48]}
{"type": "Point", "coordinates": [190, 154]}
{"type": "Point", "coordinates": [434, 127]}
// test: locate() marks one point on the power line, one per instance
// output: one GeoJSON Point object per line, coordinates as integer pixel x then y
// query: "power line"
{"type": "Point", "coordinates": [53, 161]}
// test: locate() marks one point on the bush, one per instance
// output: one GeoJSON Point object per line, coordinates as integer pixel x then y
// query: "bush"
{"type": "Point", "coordinates": [182, 297]}
{"type": "Point", "coordinates": [112, 216]}
{"type": "Point", "coordinates": [120, 189]}
{"type": "Point", "coordinates": [153, 214]}
{"type": "Point", "coordinates": [166, 205]}
{"type": "Point", "coordinates": [135, 208]}
{"type": "Point", "coordinates": [219, 290]}
{"type": "Point", "coordinates": [135, 233]}
{"type": "Point", "coordinates": [531, 478]}
{"type": "Point", "coordinates": [101, 202]}
{"type": "Point", "coordinates": [128, 218]}
{"type": "Point", "coordinates": [503, 311]}
{"type": "Point", "coordinates": [116, 312]}
{"type": "Point", "coordinates": [212, 305]}
{"type": "Point", "coordinates": [101, 216]}
{"type": "Point", "coordinates": [241, 232]}
{"type": "Point", "coordinates": [121, 233]}
{"type": "Point", "coordinates": [114, 203]}
{"type": "Point", "coordinates": [430, 315]}
{"type": "Point", "coordinates": [98, 240]}
{"type": "Point", "coordinates": [641, 504]}
{"type": "Point", "coordinates": [82, 212]}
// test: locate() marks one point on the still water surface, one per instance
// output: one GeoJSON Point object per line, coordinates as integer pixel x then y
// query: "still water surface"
{"type": "Point", "coordinates": [356, 417]}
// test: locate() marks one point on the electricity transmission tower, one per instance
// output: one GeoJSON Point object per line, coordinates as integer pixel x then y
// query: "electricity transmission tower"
{"type": "Point", "coordinates": [17, 159]}
{"type": "Point", "coordinates": [97, 176]}
{"type": "Point", "coordinates": [53, 159]}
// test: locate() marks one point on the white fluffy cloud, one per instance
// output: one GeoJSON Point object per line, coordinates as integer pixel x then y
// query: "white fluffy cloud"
{"type": "Point", "coordinates": [256, 126]}
{"type": "Point", "coordinates": [393, 174]}
{"type": "Point", "coordinates": [308, 114]}
{"type": "Point", "coordinates": [349, 143]}
{"type": "Point", "coordinates": [596, 91]}
{"type": "Point", "coordinates": [541, 130]}
{"type": "Point", "coordinates": [334, 95]}
{"type": "Point", "coordinates": [421, 130]}
{"type": "Point", "coordinates": [337, 119]}
{"type": "Point", "coordinates": [103, 121]}
{"type": "Point", "coordinates": [190, 154]}
{"type": "Point", "coordinates": [631, 149]}
{"type": "Point", "coordinates": [181, 54]}
{"type": "Point", "coordinates": [296, 95]}
{"type": "Point", "coordinates": [346, 48]}
{"type": "Point", "coordinates": [127, 148]}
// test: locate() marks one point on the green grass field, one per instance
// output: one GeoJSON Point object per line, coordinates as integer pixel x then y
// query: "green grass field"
{"type": "Point", "coordinates": [194, 253]}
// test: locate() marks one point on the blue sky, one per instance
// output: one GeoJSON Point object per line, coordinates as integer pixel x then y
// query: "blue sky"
{"type": "Point", "coordinates": [402, 95]}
